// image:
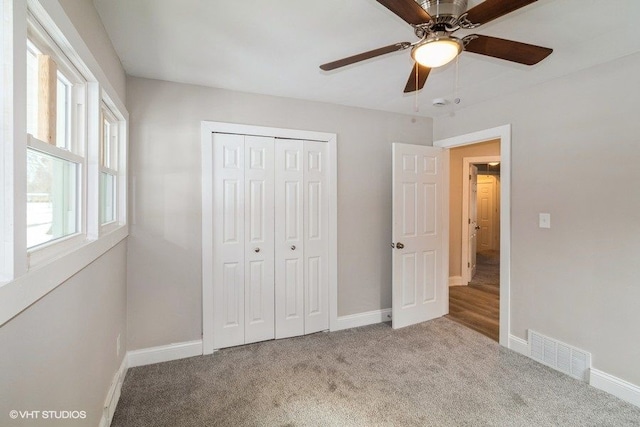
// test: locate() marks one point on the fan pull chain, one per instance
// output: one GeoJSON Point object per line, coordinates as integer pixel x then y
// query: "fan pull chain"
{"type": "Point", "coordinates": [456, 100]}
{"type": "Point", "coordinates": [415, 107]}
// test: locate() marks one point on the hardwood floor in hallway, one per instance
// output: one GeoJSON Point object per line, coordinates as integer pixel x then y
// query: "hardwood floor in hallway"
{"type": "Point", "coordinates": [477, 305]}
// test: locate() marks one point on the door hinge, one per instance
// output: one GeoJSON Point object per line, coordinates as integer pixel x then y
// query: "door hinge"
{"type": "Point", "coordinates": [468, 264]}
{"type": "Point", "coordinates": [469, 220]}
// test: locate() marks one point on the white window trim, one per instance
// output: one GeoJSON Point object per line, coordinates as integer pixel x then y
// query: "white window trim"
{"type": "Point", "coordinates": [14, 153]}
{"type": "Point", "coordinates": [23, 291]}
{"type": "Point", "coordinates": [52, 150]}
{"type": "Point", "coordinates": [21, 286]}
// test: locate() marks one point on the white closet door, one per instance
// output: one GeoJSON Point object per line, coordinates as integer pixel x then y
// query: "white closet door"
{"type": "Point", "coordinates": [316, 238]}
{"type": "Point", "coordinates": [228, 240]}
{"type": "Point", "coordinates": [259, 232]}
{"type": "Point", "coordinates": [289, 238]}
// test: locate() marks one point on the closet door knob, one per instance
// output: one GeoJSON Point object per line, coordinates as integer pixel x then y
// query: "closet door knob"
{"type": "Point", "coordinates": [293, 247]}
{"type": "Point", "coordinates": [257, 249]}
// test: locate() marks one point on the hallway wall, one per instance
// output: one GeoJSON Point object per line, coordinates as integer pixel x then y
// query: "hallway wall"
{"type": "Point", "coordinates": [489, 148]}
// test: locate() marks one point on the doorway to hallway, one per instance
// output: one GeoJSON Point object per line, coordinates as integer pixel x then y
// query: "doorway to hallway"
{"type": "Point", "coordinates": [474, 295]}
{"type": "Point", "coordinates": [503, 135]}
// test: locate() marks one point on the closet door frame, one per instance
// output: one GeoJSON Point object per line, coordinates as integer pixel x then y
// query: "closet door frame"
{"type": "Point", "coordinates": [208, 128]}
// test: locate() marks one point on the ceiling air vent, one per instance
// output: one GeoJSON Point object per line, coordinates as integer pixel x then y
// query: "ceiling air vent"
{"type": "Point", "coordinates": [560, 356]}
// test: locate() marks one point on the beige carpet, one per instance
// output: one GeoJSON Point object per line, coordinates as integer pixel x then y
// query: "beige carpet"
{"type": "Point", "coordinates": [434, 374]}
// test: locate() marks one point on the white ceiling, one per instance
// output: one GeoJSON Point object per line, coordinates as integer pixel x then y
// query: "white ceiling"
{"type": "Point", "coordinates": [274, 47]}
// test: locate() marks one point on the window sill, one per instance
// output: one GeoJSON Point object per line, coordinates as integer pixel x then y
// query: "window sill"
{"type": "Point", "coordinates": [21, 292]}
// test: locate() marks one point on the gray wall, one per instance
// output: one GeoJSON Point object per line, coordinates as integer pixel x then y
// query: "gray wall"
{"type": "Point", "coordinates": [456, 156]}
{"type": "Point", "coordinates": [87, 22]}
{"type": "Point", "coordinates": [164, 276]}
{"type": "Point", "coordinates": [60, 353]}
{"type": "Point", "coordinates": [575, 153]}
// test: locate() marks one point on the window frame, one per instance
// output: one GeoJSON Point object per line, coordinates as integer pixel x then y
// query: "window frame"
{"type": "Point", "coordinates": [74, 148]}
{"type": "Point", "coordinates": [43, 251]}
{"type": "Point", "coordinates": [116, 165]}
{"type": "Point", "coordinates": [24, 281]}
{"type": "Point", "coordinates": [42, 40]}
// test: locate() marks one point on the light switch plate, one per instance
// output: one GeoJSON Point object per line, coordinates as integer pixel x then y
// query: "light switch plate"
{"type": "Point", "coordinates": [545, 220]}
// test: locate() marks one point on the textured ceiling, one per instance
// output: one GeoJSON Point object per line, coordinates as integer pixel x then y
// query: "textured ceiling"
{"type": "Point", "coordinates": [274, 47]}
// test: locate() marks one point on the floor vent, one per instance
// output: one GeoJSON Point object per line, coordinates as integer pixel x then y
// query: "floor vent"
{"type": "Point", "coordinates": [560, 356]}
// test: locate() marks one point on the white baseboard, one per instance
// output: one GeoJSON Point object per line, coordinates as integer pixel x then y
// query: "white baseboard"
{"type": "Point", "coordinates": [620, 388]}
{"type": "Point", "coordinates": [164, 353]}
{"type": "Point", "coordinates": [455, 281]}
{"type": "Point", "coordinates": [362, 319]}
{"type": "Point", "coordinates": [519, 345]}
{"type": "Point", "coordinates": [113, 395]}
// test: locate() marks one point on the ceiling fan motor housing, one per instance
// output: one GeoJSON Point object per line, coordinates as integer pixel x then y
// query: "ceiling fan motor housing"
{"type": "Point", "coordinates": [444, 11]}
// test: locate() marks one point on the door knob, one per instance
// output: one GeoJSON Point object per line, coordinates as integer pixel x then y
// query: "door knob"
{"type": "Point", "coordinates": [257, 249]}
{"type": "Point", "coordinates": [293, 247]}
{"type": "Point", "coordinates": [399, 245]}
{"type": "Point", "coordinates": [477, 227]}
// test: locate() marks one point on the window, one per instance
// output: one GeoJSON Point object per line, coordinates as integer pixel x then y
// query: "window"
{"type": "Point", "coordinates": [51, 201]}
{"type": "Point", "coordinates": [52, 197]}
{"type": "Point", "coordinates": [109, 142]}
{"type": "Point", "coordinates": [55, 142]}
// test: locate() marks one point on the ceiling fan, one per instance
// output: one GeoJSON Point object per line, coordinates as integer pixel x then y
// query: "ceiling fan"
{"type": "Point", "coordinates": [434, 22]}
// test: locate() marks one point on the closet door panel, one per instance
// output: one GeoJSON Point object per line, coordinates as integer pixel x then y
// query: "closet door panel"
{"type": "Point", "coordinates": [289, 238]}
{"type": "Point", "coordinates": [316, 224]}
{"type": "Point", "coordinates": [228, 240]}
{"type": "Point", "coordinates": [259, 235]}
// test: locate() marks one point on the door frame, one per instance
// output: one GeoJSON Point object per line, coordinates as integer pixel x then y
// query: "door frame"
{"type": "Point", "coordinates": [207, 129]}
{"type": "Point", "coordinates": [503, 133]}
{"type": "Point", "coordinates": [466, 162]}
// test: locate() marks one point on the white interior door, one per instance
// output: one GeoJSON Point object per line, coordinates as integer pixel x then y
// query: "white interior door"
{"type": "Point", "coordinates": [289, 238]}
{"type": "Point", "coordinates": [259, 237]}
{"type": "Point", "coordinates": [228, 240]}
{"type": "Point", "coordinates": [473, 221]}
{"type": "Point", "coordinates": [419, 286]}
{"type": "Point", "coordinates": [316, 237]}
{"type": "Point", "coordinates": [486, 211]}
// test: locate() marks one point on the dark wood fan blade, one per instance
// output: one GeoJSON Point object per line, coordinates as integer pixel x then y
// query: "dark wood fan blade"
{"type": "Point", "coordinates": [408, 10]}
{"type": "Point", "coordinates": [508, 50]}
{"type": "Point", "coordinates": [414, 83]}
{"type": "Point", "coordinates": [365, 55]}
{"type": "Point", "coordinates": [489, 10]}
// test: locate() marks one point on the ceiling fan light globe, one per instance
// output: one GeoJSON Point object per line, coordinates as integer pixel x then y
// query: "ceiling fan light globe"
{"type": "Point", "coordinates": [437, 52]}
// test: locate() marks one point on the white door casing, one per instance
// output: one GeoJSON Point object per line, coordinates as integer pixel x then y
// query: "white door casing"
{"type": "Point", "coordinates": [419, 287]}
{"type": "Point", "coordinates": [473, 221]}
{"type": "Point", "coordinates": [259, 238]}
